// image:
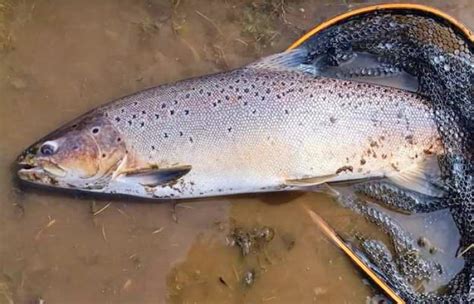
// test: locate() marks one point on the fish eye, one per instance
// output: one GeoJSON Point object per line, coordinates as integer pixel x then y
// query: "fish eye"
{"type": "Point", "coordinates": [48, 148]}
{"type": "Point", "coordinates": [95, 130]}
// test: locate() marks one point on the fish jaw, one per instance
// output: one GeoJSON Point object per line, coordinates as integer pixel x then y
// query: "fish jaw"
{"type": "Point", "coordinates": [36, 175]}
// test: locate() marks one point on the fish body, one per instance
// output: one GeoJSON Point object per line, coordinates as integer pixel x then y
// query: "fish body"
{"type": "Point", "coordinates": [269, 126]}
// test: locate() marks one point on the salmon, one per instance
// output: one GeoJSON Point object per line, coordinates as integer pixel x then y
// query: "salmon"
{"type": "Point", "coordinates": [274, 125]}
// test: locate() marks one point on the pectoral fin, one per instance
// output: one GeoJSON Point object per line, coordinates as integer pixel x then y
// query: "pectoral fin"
{"type": "Point", "coordinates": [154, 176]}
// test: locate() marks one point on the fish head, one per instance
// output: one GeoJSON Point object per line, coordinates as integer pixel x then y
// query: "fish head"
{"type": "Point", "coordinates": [82, 155]}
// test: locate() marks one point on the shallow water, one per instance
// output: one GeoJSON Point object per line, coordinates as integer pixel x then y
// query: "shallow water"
{"type": "Point", "coordinates": [61, 58]}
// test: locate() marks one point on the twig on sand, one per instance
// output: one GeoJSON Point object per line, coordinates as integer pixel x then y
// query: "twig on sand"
{"type": "Point", "coordinates": [122, 212]}
{"type": "Point", "coordinates": [101, 209]}
{"type": "Point", "coordinates": [268, 299]}
{"type": "Point", "coordinates": [51, 222]}
{"type": "Point", "coordinates": [174, 215]}
{"type": "Point", "coordinates": [158, 230]}
{"type": "Point", "coordinates": [103, 233]}
{"type": "Point", "coordinates": [127, 284]}
{"type": "Point", "coordinates": [236, 273]}
{"type": "Point", "coordinates": [241, 41]}
{"type": "Point", "coordinates": [211, 22]}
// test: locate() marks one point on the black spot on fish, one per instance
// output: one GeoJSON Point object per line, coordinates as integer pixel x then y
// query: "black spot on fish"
{"type": "Point", "coordinates": [278, 96]}
{"type": "Point", "coordinates": [175, 102]}
{"type": "Point", "coordinates": [181, 133]}
{"type": "Point", "coordinates": [287, 112]}
{"type": "Point", "coordinates": [142, 124]}
{"type": "Point", "coordinates": [143, 112]}
{"type": "Point", "coordinates": [209, 94]}
{"type": "Point", "coordinates": [172, 112]}
{"type": "Point", "coordinates": [246, 103]}
{"type": "Point", "coordinates": [237, 81]}
{"type": "Point", "coordinates": [130, 122]}
{"type": "Point", "coordinates": [229, 129]}
{"type": "Point", "coordinates": [117, 119]}
{"type": "Point", "coordinates": [191, 139]}
{"type": "Point", "coordinates": [119, 139]}
{"type": "Point", "coordinates": [214, 104]}
{"type": "Point", "coordinates": [186, 112]}
{"type": "Point", "coordinates": [187, 95]}
{"type": "Point", "coordinates": [165, 135]}
{"type": "Point", "coordinates": [163, 105]}
{"type": "Point", "coordinates": [239, 97]}
{"type": "Point", "coordinates": [227, 97]}
{"type": "Point", "coordinates": [256, 94]}
{"type": "Point", "coordinates": [201, 91]}
{"type": "Point", "coordinates": [268, 91]}
{"type": "Point", "coordinates": [122, 110]}
{"type": "Point", "coordinates": [153, 147]}
{"type": "Point", "coordinates": [157, 116]}
{"type": "Point", "coordinates": [254, 111]}
{"type": "Point", "coordinates": [135, 103]}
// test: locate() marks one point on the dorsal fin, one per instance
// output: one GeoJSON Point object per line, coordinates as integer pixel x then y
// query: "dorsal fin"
{"type": "Point", "coordinates": [360, 67]}
{"type": "Point", "coordinates": [292, 60]}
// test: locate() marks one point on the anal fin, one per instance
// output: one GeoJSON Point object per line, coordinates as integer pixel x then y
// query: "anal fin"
{"type": "Point", "coordinates": [424, 177]}
{"type": "Point", "coordinates": [310, 181]}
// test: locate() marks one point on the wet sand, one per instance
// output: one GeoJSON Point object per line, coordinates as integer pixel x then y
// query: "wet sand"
{"type": "Point", "coordinates": [59, 59]}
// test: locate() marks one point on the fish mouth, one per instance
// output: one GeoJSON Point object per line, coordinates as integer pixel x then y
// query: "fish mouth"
{"type": "Point", "coordinates": [31, 171]}
{"type": "Point", "coordinates": [35, 174]}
